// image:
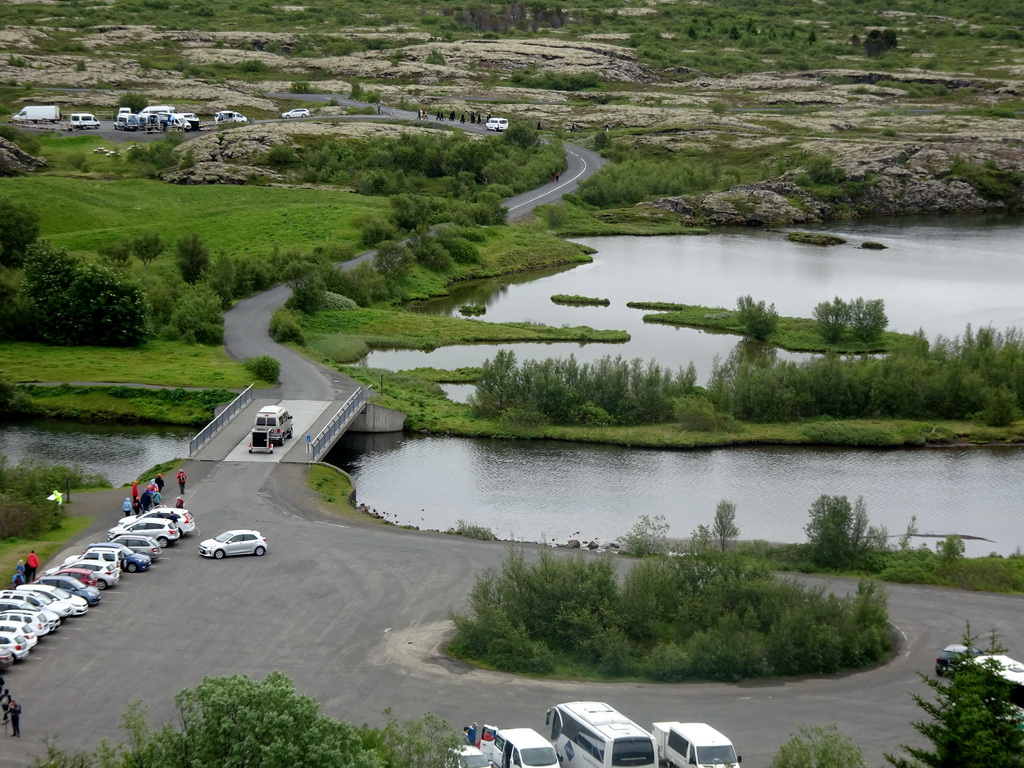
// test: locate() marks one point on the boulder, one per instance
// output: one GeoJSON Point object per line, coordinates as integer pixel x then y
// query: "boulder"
{"type": "Point", "coordinates": [218, 173]}
{"type": "Point", "coordinates": [593, 545]}
{"type": "Point", "coordinates": [573, 544]}
{"type": "Point", "coordinates": [14, 160]}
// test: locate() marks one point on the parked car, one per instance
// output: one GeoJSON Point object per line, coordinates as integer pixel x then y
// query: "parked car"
{"type": "Point", "coordinates": [470, 757]}
{"type": "Point", "coordinates": [111, 556]}
{"type": "Point", "coordinates": [227, 116]}
{"type": "Point", "coordinates": [297, 112]}
{"type": "Point", "coordinates": [33, 618]}
{"type": "Point", "coordinates": [131, 560]}
{"type": "Point", "coordinates": [240, 542]}
{"type": "Point", "coordinates": [6, 659]}
{"type": "Point", "coordinates": [70, 584]}
{"type": "Point", "coordinates": [144, 545]}
{"type": "Point", "coordinates": [181, 517]}
{"type": "Point", "coordinates": [164, 531]}
{"type": "Point", "coordinates": [82, 575]}
{"type": "Point", "coordinates": [105, 574]}
{"type": "Point", "coordinates": [47, 603]}
{"type": "Point", "coordinates": [11, 627]}
{"type": "Point", "coordinates": [497, 124]}
{"type": "Point", "coordinates": [51, 620]}
{"type": "Point", "coordinates": [16, 644]}
{"type": "Point", "coordinates": [78, 604]}
{"type": "Point", "coordinates": [952, 655]}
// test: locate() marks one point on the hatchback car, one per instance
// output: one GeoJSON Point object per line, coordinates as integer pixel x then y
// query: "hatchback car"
{"type": "Point", "coordinates": [163, 531]}
{"type": "Point", "coordinates": [105, 574]}
{"type": "Point", "coordinates": [37, 600]}
{"type": "Point", "coordinates": [297, 112]}
{"type": "Point", "coordinates": [82, 575]}
{"type": "Point", "coordinates": [12, 627]}
{"type": "Point", "coordinates": [242, 542]}
{"type": "Point", "coordinates": [52, 620]}
{"type": "Point", "coordinates": [131, 560]}
{"type": "Point", "coordinates": [109, 556]}
{"type": "Point", "coordinates": [16, 644]}
{"type": "Point", "coordinates": [78, 605]}
{"type": "Point", "coordinates": [184, 519]}
{"type": "Point", "coordinates": [32, 618]}
{"type": "Point", "coordinates": [91, 595]}
{"type": "Point", "coordinates": [951, 656]}
{"type": "Point", "coordinates": [6, 659]}
{"type": "Point", "coordinates": [144, 545]}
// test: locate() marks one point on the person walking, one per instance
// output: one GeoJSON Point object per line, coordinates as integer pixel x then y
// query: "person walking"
{"type": "Point", "coordinates": [31, 563]}
{"type": "Point", "coordinates": [159, 482]}
{"type": "Point", "coordinates": [157, 498]}
{"type": "Point", "coordinates": [182, 477]}
{"type": "Point", "coordinates": [135, 489]}
{"type": "Point", "coordinates": [145, 500]}
{"type": "Point", "coordinates": [136, 506]}
{"type": "Point", "coordinates": [14, 711]}
{"type": "Point", "coordinates": [127, 506]}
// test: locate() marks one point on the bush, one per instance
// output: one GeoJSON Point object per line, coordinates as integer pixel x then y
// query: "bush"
{"type": "Point", "coordinates": [648, 536]}
{"type": "Point", "coordinates": [698, 414]}
{"type": "Point", "coordinates": [471, 531]}
{"type": "Point", "coordinates": [19, 228]}
{"type": "Point", "coordinates": [819, 747]}
{"type": "Point", "coordinates": [197, 316]}
{"type": "Point", "coordinates": [286, 326]}
{"type": "Point", "coordinates": [265, 368]}
{"type": "Point", "coordinates": [337, 301]}
{"type": "Point", "coordinates": [759, 320]}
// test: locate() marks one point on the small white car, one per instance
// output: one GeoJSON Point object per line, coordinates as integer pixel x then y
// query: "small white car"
{"type": "Point", "coordinates": [227, 116]}
{"type": "Point", "coordinates": [42, 600]}
{"type": "Point", "coordinates": [162, 531]}
{"type": "Point", "coordinates": [51, 619]}
{"type": "Point", "coordinates": [32, 618]}
{"type": "Point", "coordinates": [12, 598]}
{"type": "Point", "coordinates": [79, 605]}
{"type": "Point", "coordinates": [496, 124]}
{"type": "Point", "coordinates": [99, 556]}
{"type": "Point", "coordinates": [297, 112]}
{"type": "Point", "coordinates": [12, 627]}
{"type": "Point", "coordinates": [186, 522]}
{"type": "Point", "coordinates": [16, 644]}
{"type": "Point", "coordinates": [241, 542]}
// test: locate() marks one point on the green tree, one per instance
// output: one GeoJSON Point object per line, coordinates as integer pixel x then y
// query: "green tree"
{"type": "Point", "coordinates": [832, 317]}
{"type": "Point", "coordinates": [522, 134]}
{"type": "Point", "coordinates": [19, 228]}
{"type": "Point", "coordinates": [971, 721]}
{"type": "Point", "coordinates": [819, 746]}
{"type": "Point", "coordinates": [838, 532]}
{"type": "Point", "coordinates": [136, 102]}
{"type": "Point", "coordinates": [1000, 407]}
{"type": "Point", "coordinates": [392, 261]}
{"type": "Point", "coordinates": [309, 292]}
{"type": "Point", "coordinates": [759, 320]}
{"type": "Point", "coordinates": [197, 316]}
{"type": "Point", "coordinates": [724, 528]}
{"type": "Point", "coordinates": [868, 320]}
{"type": "Point", "coordinates": [147, 247]}
{"type": "Point", "coordinates": [648, 536]}
{"type": "Point", "coordinates": [426, 742]}
{"type": "Point", "coordinates": [222, 279]}
{"type": "Point", "coordinates": [193, 257]}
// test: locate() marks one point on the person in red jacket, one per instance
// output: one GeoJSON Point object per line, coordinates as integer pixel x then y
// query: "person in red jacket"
{"type": "Point", "coordinates": [31, 563]}
{"type": "Point", "coordinates": [182, 477]}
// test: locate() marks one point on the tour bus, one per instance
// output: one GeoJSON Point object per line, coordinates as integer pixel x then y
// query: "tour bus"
{"type": "Point", "coordinates": [591, 733]}
{"type": "Point", "coordinates": [1013, 672]}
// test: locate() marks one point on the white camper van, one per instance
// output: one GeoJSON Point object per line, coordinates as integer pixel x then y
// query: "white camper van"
{"type": "Point", "coordinates": [157, 109]}
{"type": "Point", "coordinates": [684, 744]}
{"type": "Point", "coordinates": [276, 421]}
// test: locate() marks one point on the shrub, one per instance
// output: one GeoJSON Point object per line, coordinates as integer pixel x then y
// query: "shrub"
{"type": "Point", "coordinates": [471, 531]}
{"type": "Point", "coordinates": [868, 320]}
{"type": "Point", "coordinates": [819, 746]}
{"type": "Point", "coordinates": [698, 414]}
{"type": "Point", "coordinates": [264, 367]}
{"type": "Point", "coordinates": [648, 536]}
{"type": "Point", "coordinates": [309, 292]}
{"type": "Point", "coordinates": [832, 318]}
{"type": "Point", "coordinates": [286, 326]}
{"type": "Point", "coordinates": [197, 316]}
{"type": "Point", "coordinates": [759, 320]}
{"type": "Point", "coordinates": [337, 301]}
{"type": "Point", "coordinates": [19, 228]}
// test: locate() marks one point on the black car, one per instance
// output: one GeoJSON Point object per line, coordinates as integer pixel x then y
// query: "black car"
{"type": "Point", "coordinates": [952, 655]}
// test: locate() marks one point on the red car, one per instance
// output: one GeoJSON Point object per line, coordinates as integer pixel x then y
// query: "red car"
{"type": "Point", "coordinates": [82, 574]}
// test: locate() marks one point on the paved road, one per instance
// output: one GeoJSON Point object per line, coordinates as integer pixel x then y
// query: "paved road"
{"type": "Point", "coordinates": [356, 613]}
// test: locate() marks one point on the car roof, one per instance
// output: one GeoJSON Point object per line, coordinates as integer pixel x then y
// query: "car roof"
{"type": "Point", "coordinates": [240, 530]}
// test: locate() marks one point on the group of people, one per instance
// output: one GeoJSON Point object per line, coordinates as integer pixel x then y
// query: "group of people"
{"type": "Point", "coordinates": [11, 710]}
{"type": "Point", "coordinates": [152, 495]}
{"type": "Point", "coordinates": [25, 570]}
{"type": "Point", "coordinates": [474, 117]}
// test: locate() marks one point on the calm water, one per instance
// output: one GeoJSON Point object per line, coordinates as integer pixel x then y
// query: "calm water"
{"type": "Point", "coordinates": [937, 274]}
{"type": "Point", "coordinates": [118, 452]}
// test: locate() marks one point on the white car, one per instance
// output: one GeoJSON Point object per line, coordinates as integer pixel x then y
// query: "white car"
{"type": "Point", "coordinates": [111, 556]}
{"type": "Point", "coordinates": [50, 619]}
{"type": "Point", "coordinates": [11, 599]}
{"type": "Point", "coordinates": [16, 644]}
{"type": "Point", "coordinates": [186, 522]}
{"type": "Point", "coordinates": [297, 112]}
{"type": "Point", "coordinates": [48, 602]}
{"type": "Point", "coordinates": [79, 605]}
{"type": "Point", "coordinates": [106, 574]}
{"type": "Point", "coordinates": [32, 618]}
{"type": "Point", "coordinates": [11, 627]}
{"type": "Point", "coordinates": [227, 116]}
{"type": "Point", "coordinates": [162, 531]}
{"type": "Point", "coordinates": [241, 542]}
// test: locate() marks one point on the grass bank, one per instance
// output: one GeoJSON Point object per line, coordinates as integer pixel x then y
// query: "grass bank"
{"type": "Point", "coordinates": [125, 404]}
{"type": "Point", "coordinates": [796, 334]}
{"type": "Point", "coordinates": [46, 546]}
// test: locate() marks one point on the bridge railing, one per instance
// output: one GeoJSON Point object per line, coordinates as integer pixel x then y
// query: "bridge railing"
{"type": "Point", "coordinates": [339, 422]}
{"type": "Point", "coordinates": [221, 419]}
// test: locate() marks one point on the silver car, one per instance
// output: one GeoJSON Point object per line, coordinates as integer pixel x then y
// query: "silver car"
{"type": "Point", "coordinates": [241, 542]}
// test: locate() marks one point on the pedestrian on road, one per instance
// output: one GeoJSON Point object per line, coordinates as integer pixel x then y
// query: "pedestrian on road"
{"type": "Point", "coordinates": [127, 506]}
{"type": "Point", "coordinates": [158, 498]}
{"type": "Point", "coordinates": [471, 735]}
{"type": "Point", "coordinates": [145, 500]}
{"type": "Point", "coordinates": [19, 574]}
{"type": "Point", "coordinates": [14, 711]}
{"type": "Point", "coordinates": [159, 482]}
{"type": "Point", "coordinates": [31, 563]}
{"type": "Point", "coordinates": [135, 489]}
{"type": "Point", "coordinates": [179, 503]}
{"type": "Point", "coordinates": [558, 175]}
{"type": "Point", "coordinates": [136, 506]}
{"type": "Point", "coordinates": [182, 477]}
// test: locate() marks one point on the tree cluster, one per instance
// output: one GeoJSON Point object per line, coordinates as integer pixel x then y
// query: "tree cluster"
{"type": "Point", "coordinates": [25, 511]}
{"type": "Point", "coordinates": [564, 391]}
{"type": "Point", "coordinates": [864, 318]}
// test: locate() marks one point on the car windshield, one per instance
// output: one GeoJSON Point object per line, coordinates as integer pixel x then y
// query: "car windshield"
{"type": "Point", "coordinates": [63, 594]}
{"type": "Point", "coordinates": [538, 756]}
{"type": "Point", "coordinates": [721, 755]}
{"type": "Point", "coordinates": [224, 537]}
{"type": "Point", "coordinates": [474, 761]}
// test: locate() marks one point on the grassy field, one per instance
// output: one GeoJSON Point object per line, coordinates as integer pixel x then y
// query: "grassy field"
{"type": "Point", "coordinates": [127, 404]}
{"type": "Point", "coordinates": [162, 363]}
{"type": "Point", "coordinates": [229, 219]}
{"type": "Point", "coordinates": [13, 550]}
{"type": "Point", "coordinates": [796, 334]}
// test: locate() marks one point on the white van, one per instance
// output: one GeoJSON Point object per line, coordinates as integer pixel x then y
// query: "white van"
{"type": "Point", "coordinates": [496, 124]}
{"type": "Point", "coordinates": [276, 421]}
{"type": "Point", "coordinates": [126, 121]}
{"type": "Point", "coordinates": [39, 114]}
{"type": "Point", "coordinates": [83, 120]}
{"type": "Point", "coordinates": [156, 109]}
{"type": "Point", "coordinates": [685, 744]}
{"type": "Point", "coordinates": [227, 116]}
{"type": "Point", "coordinates": [517, 748]}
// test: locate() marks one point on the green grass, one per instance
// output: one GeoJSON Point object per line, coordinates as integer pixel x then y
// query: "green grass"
{"type": "Point", "coordinates": [796, 334]}
{"type": "Point", "coordinates": [49, 544]}
{"type": "Point", "coordinates": [163, 363]}
{"type": "Point", "coordinates": [127, 404]}
{"type": "Point", "coordinates": [579, 301]}
{"type": "Point", "coordinates": [229, 219]}
{"type": "Point", "coordinates": [334, 487]}
{"type": "Point", "coordinates": [384, 328]}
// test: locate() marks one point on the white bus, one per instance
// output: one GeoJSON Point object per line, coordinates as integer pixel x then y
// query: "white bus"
{"type": "Point", "coordinates": [591, 733]}
{"type": "Point", "coordinates": [1013, 672]}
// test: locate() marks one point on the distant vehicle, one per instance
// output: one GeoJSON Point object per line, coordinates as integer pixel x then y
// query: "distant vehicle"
{"type": "Point", "coordinates": [130, 561]}
{"type": "Point", "coordinates": [79, 605]}
{"type": "Point", "coordinates": [41, 114]}
{"type": "Point", "coordinates": [498, 124]}
{"type": "Point", "coordinates": [297, 112]}
{"type": "Point", "coordinates": [951, 656]}
{"type": "Point", "coordinates": [108, 556]}
{"type": "Point", "coordinates": [11, 627]}
{"type": "Point", "coordinates": [227, 116]}
{"type": "Point", "coordinates": [72, 585]}
{"type": "Point", "coordinates": [81, 121]}
{"type": "Point", "coordinates": [157, 109]}
{"type": "Point", "coordinates": [181, 517]}
{"type": "Point", "coordinates": [52, 620]}
{"type": "Point", "coordinates": [1012, 672]}
{"type": "Point", "coordinates": [33, 618]}
{"type": "Point", "coordinates": [241, 542]}
{"type": "Point", "coordinates": [83, 575]}
{"type": "Point", "coordinates": [105, 574]}
{"type": "Point", "coordinates": [14, 643]}
{"type": "Point", "coordinates": [599, 736]}
{"type": "Point", "coordinates": [471, 757]}
{"type": "Point", "coordinates": [126, 121]}
{"type": "Point", "coordinates": [35, 600]}
{"type": "Point", "coordinates": [6, 658]}
{"type": "Point", "coordinates": [684, 744]}
{"type": "Point", "coordinates": [517, 747]}
{"type": "Point", "coordinates": [276, 420]}
{"type": "Point", "coordinates": [186, 120]}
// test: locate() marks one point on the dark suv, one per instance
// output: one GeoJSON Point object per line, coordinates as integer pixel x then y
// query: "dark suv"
{"type": "Point", "coordinates": [951, 656]}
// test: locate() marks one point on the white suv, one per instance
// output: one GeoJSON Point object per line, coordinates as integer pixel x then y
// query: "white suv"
{"type": "Point", "coordinates": [157, 528]}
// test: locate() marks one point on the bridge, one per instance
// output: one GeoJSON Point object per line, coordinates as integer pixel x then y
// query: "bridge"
{"type": "Point", "coordinates": [316, 427]}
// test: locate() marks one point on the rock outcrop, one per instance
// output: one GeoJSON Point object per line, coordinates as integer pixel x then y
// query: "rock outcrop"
{"type": "Point", "coordinates": [14, 160]}
{"type": "Point", "coordinates": [218, 173]}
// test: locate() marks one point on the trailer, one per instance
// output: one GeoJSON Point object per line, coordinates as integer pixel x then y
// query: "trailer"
{"type": "Point", "coordinates": [259, 440]}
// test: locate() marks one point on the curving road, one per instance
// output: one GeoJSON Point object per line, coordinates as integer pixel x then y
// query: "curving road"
{"type": "Point", "coordinates": [356, 612]}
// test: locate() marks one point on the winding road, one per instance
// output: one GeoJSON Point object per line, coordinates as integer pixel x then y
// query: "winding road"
{"type": "Point", "coordinates": [356, 614]}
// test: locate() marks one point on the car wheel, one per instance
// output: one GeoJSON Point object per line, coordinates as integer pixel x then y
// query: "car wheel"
{"type": "Point", "coordinates": [259, 551]}
{"type": "Point", "coordinates": [100, 584]}
{"type": "Point", "coordinates": [132, 567]}
{"type": "Point", "coordinates": [219, 554]}
{"type": "Point", "coordinates": [163, 542]}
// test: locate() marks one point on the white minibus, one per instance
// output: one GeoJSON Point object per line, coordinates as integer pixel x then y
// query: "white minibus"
{"type": "Point", "coordinates": [591, 733]}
